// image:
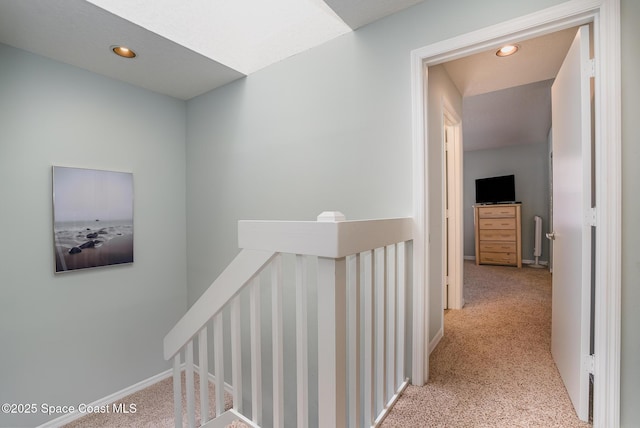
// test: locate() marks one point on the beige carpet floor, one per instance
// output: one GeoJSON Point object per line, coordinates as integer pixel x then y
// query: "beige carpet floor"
{"type": "Point", "coordinates": [493, 367]}
{"type": "Point", "coordinates": [154, 408]}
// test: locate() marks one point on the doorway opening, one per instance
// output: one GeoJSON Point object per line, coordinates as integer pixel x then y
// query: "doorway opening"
{"type": "Point", "coordinates": [508, 134]}
{"type": "Point", "coordinates": [607, 280]}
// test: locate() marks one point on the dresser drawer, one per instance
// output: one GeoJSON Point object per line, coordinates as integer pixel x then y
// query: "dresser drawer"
{"type": "Point", "coordinates": [493, 212]}
{"type": "Point", "coordinates": [497, 223]}
{"type": "Point", "coordinates": [498, 235]}
{"type": "Point", "coordinates": [497, 247]}
{"type": "Point", "coordinates": [498, 258]}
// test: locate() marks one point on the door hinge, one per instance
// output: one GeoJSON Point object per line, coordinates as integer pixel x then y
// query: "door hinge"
{"type": "Point", "coordinates": [591, 67]}
{"type": "Point", "coordinates": [590, 363]}
{"type": "Point", "coordinates": [591, 218]}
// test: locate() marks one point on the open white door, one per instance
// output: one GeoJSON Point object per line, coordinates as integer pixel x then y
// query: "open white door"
{"type": "Point", "coordinates": [453, 243]}
{"type": "Point", "coordinates": [571, 117]}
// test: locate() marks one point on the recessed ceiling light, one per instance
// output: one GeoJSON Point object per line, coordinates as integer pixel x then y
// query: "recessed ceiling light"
{"type": "Point", "coordinates": [123, 51]}
{"type": "Point", "coordinates": [507, 50]}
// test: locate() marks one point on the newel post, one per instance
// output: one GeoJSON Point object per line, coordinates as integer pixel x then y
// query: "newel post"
{"type": "Point", "coordinates": [332, 331]}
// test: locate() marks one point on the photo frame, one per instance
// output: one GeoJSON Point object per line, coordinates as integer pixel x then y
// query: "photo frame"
{"type": "Point", "coordinates": [92, 218]}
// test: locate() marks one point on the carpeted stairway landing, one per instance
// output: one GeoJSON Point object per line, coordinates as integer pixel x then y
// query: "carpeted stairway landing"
{"type": "Point", "coordinates": [154, 408]}
{"type": "Point", "coordinates": [493, 367]}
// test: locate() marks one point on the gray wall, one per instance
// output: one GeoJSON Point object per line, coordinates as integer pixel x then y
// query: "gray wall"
{"type": "Point", "coordinates": [76, 337]}
{"type": "Point", "coordinates": [530, 166]}
{"type": "Point", "coordinates": [630, 344]}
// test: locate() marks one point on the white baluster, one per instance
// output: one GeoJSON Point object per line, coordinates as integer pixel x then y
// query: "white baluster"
{"type": "Point", "coordinates": [191, 400]}
{"type": "Point", "coordinates": [391, 321]}
{"type": "Point", "coordinates": [236, 354]}
{"type": "Point", "coordinates": [256, 350]}
{"type": "Point", "coordinates": [177, 391]}
{"type": "Point", "coordinates": [380, 286]}
{"type": "Point", "coordinates": [203, 361]}
{"type": "Point", "coordinates": [402, 270]}
{"type": "Point", "coordinates": [331, 342]}
{"type": "Point", "coordinates": [218, 361]}
{"type": "Point", "coordinates": [277, 342]}
{"type": "Point", "coordinates": [353, 281]}
{"type": "Point", "coordinates": [368, 351]}
{"type": "Point", "coordinates": [302, 358]}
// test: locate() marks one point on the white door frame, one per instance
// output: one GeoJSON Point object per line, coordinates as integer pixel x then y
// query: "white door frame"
{"type": "Point", "coordinates": [453, 189]}
{"type": "Point", "coordinates": [605, 14]}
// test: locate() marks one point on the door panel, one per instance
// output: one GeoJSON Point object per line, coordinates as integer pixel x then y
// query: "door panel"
{"type": "Point", "coordinates": [571, 143]}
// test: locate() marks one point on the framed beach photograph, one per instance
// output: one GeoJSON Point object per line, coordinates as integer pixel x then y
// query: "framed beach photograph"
{"type": "Point", "coordinates": [92, 218]}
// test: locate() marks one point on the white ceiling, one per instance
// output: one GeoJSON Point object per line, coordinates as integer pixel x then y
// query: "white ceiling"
{"type": "Point", "coordinates": [246, 35]}
{"type": "Point", "coordinates": [185, 48]}
{"type": "Point", "coordinates": [358, 13]}
{"type": "Point", "coordinates": [537, 59]}
{"type": "Point", "coordinates": [519, 115]}
{"type": "Point", "coordinates": [78, 33]}
{"type": "Point", "coordinates": [507, 101]}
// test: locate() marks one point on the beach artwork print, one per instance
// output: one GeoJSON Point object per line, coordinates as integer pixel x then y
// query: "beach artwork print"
{"type": "Point", "coordinates": [92, 218]}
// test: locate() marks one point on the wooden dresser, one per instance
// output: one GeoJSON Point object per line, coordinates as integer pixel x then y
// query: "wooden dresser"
{"type": "Point", "coordinates": [498, 234]}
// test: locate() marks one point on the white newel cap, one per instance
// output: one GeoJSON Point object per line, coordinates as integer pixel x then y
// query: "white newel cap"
{"type": "Point", "coordinates": [331, 217]}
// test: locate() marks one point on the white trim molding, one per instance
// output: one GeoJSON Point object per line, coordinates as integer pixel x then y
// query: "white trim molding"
{"type": "Point", "coordinates": [605, 16]}
{"type": "Point", "coordinates": [119, 395]}
{"type": "Point", "coordinates": [437, 338]}
{"type": "Point", "coordinates": [609, 214]}
{"type": "Point", "coordinates": [420, 322]}
{"type": "Point", "coordinates": [453, 186]}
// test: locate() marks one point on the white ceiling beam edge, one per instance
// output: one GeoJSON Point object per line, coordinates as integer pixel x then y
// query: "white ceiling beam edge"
{"type": "Point", "coordinates": [245, 35]}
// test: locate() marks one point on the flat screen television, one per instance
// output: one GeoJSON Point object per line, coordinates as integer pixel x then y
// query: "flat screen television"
{"type": "Point", "coordinates": [493, 190]}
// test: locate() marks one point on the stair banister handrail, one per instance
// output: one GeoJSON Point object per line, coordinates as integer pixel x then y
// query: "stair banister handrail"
{"type": "Point", "coordinates": [323, 238]}
{"type": "Point", "coordinates": [243, 268]}
{"type": "Point", "coordinates": [331, 239]}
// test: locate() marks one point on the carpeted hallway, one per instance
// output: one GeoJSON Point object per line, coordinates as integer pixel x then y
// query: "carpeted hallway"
{"type": "Point", "coordinates": [493, 368]}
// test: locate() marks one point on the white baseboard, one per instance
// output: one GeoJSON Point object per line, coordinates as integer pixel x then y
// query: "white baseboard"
{"type": "Point", "coordinates": [434, 342]}
{"type": "Point", "coordinates": [530, 262]}
{"type": "Point", "coordinates": [526, 262]}
{"type": "Point", "coordinates": [70, 417]}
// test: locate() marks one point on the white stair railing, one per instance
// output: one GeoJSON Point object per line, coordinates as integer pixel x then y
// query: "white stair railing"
{"type": "Point", "coordinates": [362, 274]}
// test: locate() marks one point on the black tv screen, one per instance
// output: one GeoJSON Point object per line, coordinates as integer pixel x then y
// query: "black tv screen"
{"type": "Point", "coordinates": [495, 190]}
